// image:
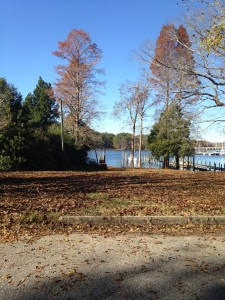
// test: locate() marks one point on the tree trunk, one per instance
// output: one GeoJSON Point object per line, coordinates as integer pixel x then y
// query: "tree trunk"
{"type": "Point", "coordinates": [177, 162]}
{"type": "Point", "coordinates": [140, 143]}
{"type": "Point", "coordinates": [77, 112]}
{"type": "Point", "coordinates": [133, 146]}
{"type": "Point", "coordinates": [166, 162]}
{"type": "Point", "coordinates": [167, 95]}
{"type": "Point", "coordinates": [62, 136]}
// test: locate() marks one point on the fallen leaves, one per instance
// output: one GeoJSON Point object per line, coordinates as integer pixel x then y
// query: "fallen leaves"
{"type": "Point", "coordinates": [7, 277]}
{"type": "Point", "coordinates": [31, 202]}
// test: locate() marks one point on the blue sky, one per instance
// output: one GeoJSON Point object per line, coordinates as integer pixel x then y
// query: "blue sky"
{"type": "Point", "coordinates": [30, 31]}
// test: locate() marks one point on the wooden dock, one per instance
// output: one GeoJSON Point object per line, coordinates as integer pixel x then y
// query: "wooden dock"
{"type": "Point", "coordinates": [200, 166]}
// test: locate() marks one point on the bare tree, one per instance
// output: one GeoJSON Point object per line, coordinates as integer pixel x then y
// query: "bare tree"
{"type": "Point", "coordinates": [78, 84]}
{"type": "Point", "coordinates": [142, 94]}
{"type": "Point", "coordinates": [128, 107]}
{"type": "Point", "coordinates": [134, 105]}
{"type": "Point", "coordinates": [166, 62]}
{"type": "Point", "coordinates": [205, 25]}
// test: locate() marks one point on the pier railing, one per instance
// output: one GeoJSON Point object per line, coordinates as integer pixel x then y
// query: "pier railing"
{"type": "Point", "coordinates": [208, 166]}
{"type": "Point", "coordinates": [193, 164]}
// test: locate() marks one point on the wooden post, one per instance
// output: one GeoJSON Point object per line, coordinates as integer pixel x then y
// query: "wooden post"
{"type": "Point", "coordinates": [62, 136]}
{"type": "Point", "coordinates": [126, 159]}
{"type": "Point", "coordinates": [96, 156]}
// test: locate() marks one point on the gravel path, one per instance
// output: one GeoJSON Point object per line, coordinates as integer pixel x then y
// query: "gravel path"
{"type": "Point", "coordinates": [131, 266]}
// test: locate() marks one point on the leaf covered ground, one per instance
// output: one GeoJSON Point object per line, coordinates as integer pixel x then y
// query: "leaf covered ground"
{"type": "Point", "coordinates": [33, 201]}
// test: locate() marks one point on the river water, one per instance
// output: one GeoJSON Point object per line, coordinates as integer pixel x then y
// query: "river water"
{"type": "Point", "coordinates": [117, 158]}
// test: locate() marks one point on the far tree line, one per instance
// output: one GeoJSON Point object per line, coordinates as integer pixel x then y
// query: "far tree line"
{"type": "Point", "coordinates": [181, 74]}
{"type": "Point", "coordinates": [120, 141]}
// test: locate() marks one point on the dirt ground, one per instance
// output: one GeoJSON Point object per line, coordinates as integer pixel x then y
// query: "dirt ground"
{"type": "Point", "coordinates": [131, 266]}
{"type": "Point", "coordinates": [31, 198]}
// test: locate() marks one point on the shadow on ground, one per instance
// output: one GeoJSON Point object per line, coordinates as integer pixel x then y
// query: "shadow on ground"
{"type": "Point", "coordinates": [119, 268]}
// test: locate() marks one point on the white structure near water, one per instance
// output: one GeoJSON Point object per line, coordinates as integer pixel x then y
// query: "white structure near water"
{"type": "Point", "coordinates": [209, 151]}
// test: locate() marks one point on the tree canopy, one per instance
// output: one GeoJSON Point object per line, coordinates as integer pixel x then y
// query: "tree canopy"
{"type": "Point", "coordinates": [30, 132]}
{"type": "Point", "coordinates": [170, 136]}
{"type": "Point", "coordinates": [10, 103]}
{"type": "Point", "coordinates": [41, 105]}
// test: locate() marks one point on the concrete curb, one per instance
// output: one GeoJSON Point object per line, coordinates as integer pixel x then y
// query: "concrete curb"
{"type": "Point", "coordinates": [144, 220]}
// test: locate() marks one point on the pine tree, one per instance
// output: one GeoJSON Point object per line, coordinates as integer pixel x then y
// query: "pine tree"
{"type": "Point", "coordinates": [12, 128]}
{"type": "Point", "coordinates": [10, 103]}
{"type": "Point", "coordinates": [41, 105]}
{"type": "Point", "coordinates": [170, 136]}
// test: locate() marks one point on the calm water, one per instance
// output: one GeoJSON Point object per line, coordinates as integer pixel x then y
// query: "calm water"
{"type": "Point", "coordinates": [115, 158]}
{"type": "Point", "coordinates": [205, 159]}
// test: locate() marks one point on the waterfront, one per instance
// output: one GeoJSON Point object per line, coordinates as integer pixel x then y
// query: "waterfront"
{"type": "Point", "coordinates": [115, 158]}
